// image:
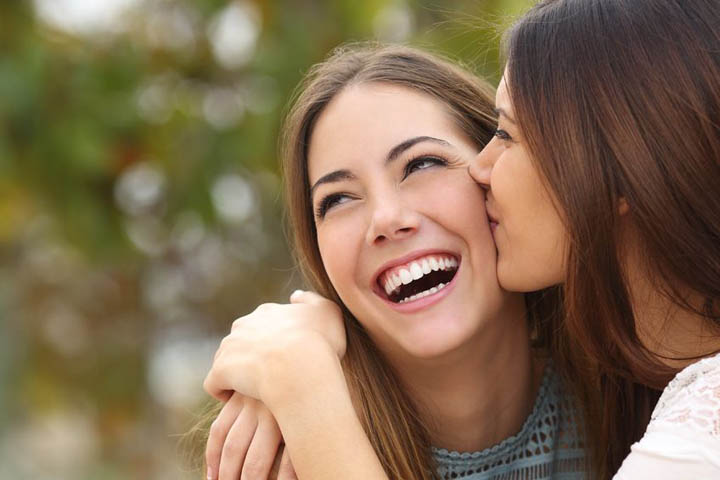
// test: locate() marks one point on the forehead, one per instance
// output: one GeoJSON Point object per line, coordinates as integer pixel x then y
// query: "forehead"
{"type": "Point", "coordinates": [502, 95]}
{"type": "Point", "coordinates": [365, 121]}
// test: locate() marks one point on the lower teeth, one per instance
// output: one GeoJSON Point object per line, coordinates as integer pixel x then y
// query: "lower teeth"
{"type": "Point", "coordinates": [423, 294]}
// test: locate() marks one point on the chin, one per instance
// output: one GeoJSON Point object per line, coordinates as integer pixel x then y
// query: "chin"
{"type": "Point", "coordinates": [433, 344]}
{"type": "Point", "coordinates": [522, 280]}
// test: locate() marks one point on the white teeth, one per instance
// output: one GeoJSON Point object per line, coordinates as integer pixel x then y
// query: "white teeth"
{"type": "Point", "coordinates": [415, 271]}
{"type": "Point", "coordinates": [423, 294]}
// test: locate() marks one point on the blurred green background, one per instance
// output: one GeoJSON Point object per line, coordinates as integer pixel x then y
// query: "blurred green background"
{"type": "Point", "coordinates": [140, 207]}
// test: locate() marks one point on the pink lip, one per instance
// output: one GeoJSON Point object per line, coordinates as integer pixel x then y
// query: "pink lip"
{"type": "Point", "coordinates": [425, 302]}
{"type": "Point", "coordinates": [492, 219]}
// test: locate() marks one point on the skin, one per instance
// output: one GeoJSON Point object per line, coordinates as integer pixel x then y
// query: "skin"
{"type": "Point", "coordinates": [463, 355]}
{"type": "Point", "coordinates": [527, 228]}
{"type": "Point", "coordinates": [386, 213]}
{"type": "Point", "coordinates": [531, 242]}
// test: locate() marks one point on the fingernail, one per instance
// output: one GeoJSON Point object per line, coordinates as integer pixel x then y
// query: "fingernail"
{"type": "Point", "coordinates": [296, 292]}
{"type": "Point", "coordinates": [209, 474]}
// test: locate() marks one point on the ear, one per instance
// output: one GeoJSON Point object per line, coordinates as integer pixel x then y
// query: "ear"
{"type": "Point", "coordinates": [623, 207]}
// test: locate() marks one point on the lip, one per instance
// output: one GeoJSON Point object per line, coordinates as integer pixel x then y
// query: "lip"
{"type": "Point", "coordinates": [492, 218]}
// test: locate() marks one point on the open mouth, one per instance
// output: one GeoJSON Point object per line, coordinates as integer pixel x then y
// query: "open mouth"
{"type": "Point", "coordinates": [419, 278]}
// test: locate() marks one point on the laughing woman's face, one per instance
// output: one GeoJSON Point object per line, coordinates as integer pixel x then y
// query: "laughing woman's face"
{"type": "Point", "coordinates": [400, 224]}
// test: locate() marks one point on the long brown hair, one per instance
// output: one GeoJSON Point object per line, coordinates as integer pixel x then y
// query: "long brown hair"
{"type": "Point", "coordinates": [621, 99]}
{"type": "Point", "coordinates": [388, 414]}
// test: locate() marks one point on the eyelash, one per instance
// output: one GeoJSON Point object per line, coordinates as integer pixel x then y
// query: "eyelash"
{"type": "Point", "coordinates": [436, 161]}
{"type": "Point", "coordinates": [503, 135]}
{"type": "Point", "coordinates": [329, 201]}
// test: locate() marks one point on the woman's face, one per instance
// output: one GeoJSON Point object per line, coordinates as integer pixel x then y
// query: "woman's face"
{"type": "Point", "coordinates": [401, 226]}
{"type": "Point", "coordinates": [528, 231]}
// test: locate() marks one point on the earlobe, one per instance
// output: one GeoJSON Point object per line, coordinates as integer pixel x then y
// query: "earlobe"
{"type": "Point", "coordinates": [623, 207]}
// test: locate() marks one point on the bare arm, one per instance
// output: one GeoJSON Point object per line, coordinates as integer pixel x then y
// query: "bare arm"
{"type": "Point", "coordinates": [288, 357]}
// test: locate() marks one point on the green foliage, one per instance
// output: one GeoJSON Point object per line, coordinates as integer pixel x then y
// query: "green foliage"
{"type": "Point", "coordinates": [140, 210]}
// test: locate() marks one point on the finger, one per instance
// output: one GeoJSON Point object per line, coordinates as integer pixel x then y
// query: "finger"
{"type": "Point", "coordinates": [311, 298]}
{"type": "Point", "coordinates": [212, 387]}
{"type": "Point", "coordinates": [218, 433]}
{"type": "Point", "coordinates": [286, 470]}
{"type": "Point", "coordinates": [262, 451]}
{"type": "Point", "coordinates": [236, 445]}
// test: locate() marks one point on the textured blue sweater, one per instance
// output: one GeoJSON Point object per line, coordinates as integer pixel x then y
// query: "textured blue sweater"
{"type": "Point", "coordinates": [548, 446]}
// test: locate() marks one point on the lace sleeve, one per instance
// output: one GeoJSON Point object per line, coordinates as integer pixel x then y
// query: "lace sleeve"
{"type": "Point", "coordinates": [692, 400]}
{"type": "Point", "coordinates": [683, 437]}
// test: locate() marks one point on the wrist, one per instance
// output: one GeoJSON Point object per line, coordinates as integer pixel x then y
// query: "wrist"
{"type": "Point", "coordinates": [301, 378]}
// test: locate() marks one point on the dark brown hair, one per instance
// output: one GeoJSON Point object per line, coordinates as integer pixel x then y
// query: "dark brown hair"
{"type": "Point", "coordinates": [387, 413]}
{"type": "Point", "coordinates": [621, 99]}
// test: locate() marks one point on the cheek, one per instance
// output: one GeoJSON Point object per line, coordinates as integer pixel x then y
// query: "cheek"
{"type": "Point", "coordinates": [340, 257]}
{"type": "Point", "coordinates": [458, 203]}
{"type": "Point", "coordinates": [518, 193]}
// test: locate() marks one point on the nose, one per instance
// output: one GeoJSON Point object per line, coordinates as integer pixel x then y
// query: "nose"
{"type": "Point", "coordinates": [391, 220]}
{"type": "Point", "coordinates": [481, 166]}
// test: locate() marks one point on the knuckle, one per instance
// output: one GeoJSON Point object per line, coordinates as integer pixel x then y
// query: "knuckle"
{"type": "Point", "coordinates": [231, 448]}
{"type": "Point", "coordinates": [214, 427]}
{"type": "Point", "coordinates": [265, 307]}
{"type": "Point", "coordinates": [207, 385]}
{"type": "Point", "coordinates": [254, 469]}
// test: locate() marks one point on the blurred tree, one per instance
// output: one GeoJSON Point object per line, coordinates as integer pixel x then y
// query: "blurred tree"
{"type": "Point", "coordinates": [140, 207]}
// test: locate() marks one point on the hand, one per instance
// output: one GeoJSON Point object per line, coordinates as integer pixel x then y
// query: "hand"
{"type": "Point", "coordinates": [243, 442]}
{"type": "Point", "coordinates": [276, 346]}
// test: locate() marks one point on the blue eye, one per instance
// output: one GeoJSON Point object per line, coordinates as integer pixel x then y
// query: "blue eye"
{"type": "Point", "coordinates": [421, 163]}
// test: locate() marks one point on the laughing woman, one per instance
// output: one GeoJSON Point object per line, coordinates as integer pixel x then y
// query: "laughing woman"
{"type": "Point", "coordinates": [604, 179]}
{"type": "Point", "coordinates": [389, 225]}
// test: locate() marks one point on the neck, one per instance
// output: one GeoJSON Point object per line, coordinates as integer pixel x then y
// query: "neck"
{"type": "Point", "coordinates": [675, 333]}
{"type": "Point", "coordinates": [672, 329]}
{"type": "Point", "coordinates": [476, 396]}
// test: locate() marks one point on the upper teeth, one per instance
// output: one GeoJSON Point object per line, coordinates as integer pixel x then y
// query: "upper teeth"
{"type": "Point", "coordinates": [416, 270]}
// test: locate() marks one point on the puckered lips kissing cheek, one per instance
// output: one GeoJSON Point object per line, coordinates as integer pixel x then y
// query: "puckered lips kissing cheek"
{"type": "Point", "coordinates": [492, 218]}
{"type": "Point", "coordinates": [417, 280]}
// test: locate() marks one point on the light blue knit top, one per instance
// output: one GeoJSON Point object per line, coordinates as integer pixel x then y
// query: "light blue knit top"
{"type": "Point", "coordinates": [548, 446]}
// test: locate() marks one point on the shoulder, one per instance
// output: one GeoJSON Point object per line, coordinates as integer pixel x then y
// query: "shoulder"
{"type": "Point", "coordinates": [692, 399]}
{"type": "Point", "coordinates": [683, 437]}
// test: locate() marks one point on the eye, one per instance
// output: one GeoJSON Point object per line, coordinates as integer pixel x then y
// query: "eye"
{"type": "Point", "coordinates": [421, 163]}
{"type": "Point", "coordinates": [329, 202]}
{"type": "Point", "coordinates": [503, 135]}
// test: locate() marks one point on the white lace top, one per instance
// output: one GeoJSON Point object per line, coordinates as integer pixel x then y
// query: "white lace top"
{"type": "Point", "coordinates": [682, 440]}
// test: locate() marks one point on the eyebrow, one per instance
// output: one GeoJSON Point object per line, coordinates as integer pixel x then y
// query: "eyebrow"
{"type": "Point", "coordinates": [500, 111]}
{"type": "Point", "coordinates": [407, 144]}
{"type": "Point", "coordinates": [395, 152]}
